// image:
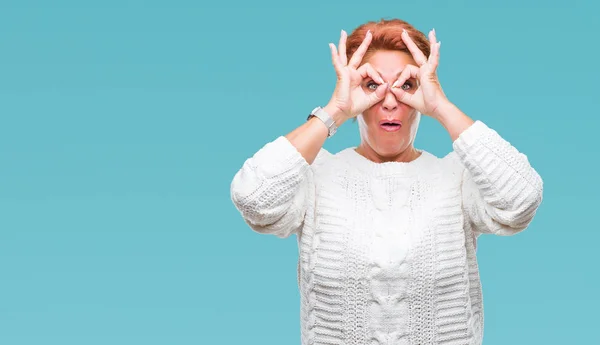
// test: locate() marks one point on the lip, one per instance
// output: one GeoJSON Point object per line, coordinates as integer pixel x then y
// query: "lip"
{"type": "Point", "coordinates": [390, 128]}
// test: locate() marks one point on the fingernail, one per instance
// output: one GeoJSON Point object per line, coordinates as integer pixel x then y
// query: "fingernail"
{"type": "Point", "coordinates": [404, 31]}
{"type": "Point", "coordinates": [433, 30]}
{"type": "Point", "coordinates": [343, 32]}
{"type": "Point", "coordinates": [394, 84]}
{"type": "Point", "coordinates": [439, 44]}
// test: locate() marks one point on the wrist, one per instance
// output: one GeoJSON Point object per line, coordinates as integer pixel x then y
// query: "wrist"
{"type": "Point", "coordinates": [444, 111]}
{"type": "Point", "coordinates": [336, 114]}
{"type": "Point", "coordinates": [453, 120]}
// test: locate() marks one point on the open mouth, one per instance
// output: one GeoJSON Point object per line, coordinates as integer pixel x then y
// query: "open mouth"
{"type": "Point", "coordinates": [390, 126]}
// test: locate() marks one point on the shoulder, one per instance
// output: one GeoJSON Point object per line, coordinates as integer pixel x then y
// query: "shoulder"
{"type": "Point", "coordinates": [325, 160]}
{"type": "Point", "coordinates": [323, 157]}
{"type": "Point", "coordinates": [452, 165]}
{"type": "Point", "coordinates": [433, 162]}
{"type": "Point", "coordinates": [448, 166]}
{"type": "Point", "coordinates": [451, 160]}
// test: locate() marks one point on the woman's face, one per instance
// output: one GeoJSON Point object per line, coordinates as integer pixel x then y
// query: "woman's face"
{"type": "Point", "coordinates": [381, 141]}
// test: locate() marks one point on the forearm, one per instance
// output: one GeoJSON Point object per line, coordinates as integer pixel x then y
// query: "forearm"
{"type": "Point", "coordinates": [453, 119]}
{"type": "Point", "coordinates": [271, 187]}
{"type": "Point", "coordinates": [309, 138]}
{"type": "Point", "coordinates": [501, 190]}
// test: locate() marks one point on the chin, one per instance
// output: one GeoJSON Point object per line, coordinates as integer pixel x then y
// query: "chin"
{"type": "Point", "coordinates": [387, 144]}
{"type": "Point", "coordinates": [389, 151]}
{"type": "Point", "coordinates": [391, 142]}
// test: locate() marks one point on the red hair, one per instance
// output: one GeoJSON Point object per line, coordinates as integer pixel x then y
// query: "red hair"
{"type": "Point", "coordinates": [386, 36]}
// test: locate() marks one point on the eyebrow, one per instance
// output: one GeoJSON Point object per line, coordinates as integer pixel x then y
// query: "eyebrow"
{"type": "Point", "coordinates": [397, 74]}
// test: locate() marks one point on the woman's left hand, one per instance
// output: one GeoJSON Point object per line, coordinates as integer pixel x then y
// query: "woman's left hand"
{"type": "Point", "coordinates": [429, 97]}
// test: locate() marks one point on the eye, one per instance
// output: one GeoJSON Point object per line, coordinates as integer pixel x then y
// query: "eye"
{"type": "Point", "coordinates": [407, 85]}
{"type": "Point", "coordinates": [372, 85]}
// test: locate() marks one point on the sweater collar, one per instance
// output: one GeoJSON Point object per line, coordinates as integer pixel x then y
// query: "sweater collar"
{"type": "Point", "coordinates": [414, 167]}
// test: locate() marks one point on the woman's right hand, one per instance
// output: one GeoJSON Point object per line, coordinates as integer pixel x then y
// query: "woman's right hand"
{"type": "Point", "coordinates": [349, 97]}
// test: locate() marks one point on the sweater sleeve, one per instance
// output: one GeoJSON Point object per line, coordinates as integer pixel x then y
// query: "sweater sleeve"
{"type": "Point", "coordinates": [271, 189]}
{"type": "Point", "coordinates": [501, 192]}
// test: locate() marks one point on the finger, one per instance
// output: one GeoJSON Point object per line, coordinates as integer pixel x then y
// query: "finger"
{"type": "Point", "coordinates": [416, 53]}
{"type": "Point", "coordinates": [378, 95]}
{"type": "Point", "coordinates": [360, 52]}
{"type": "Point", "coordinates": [434, 55]}
{"type": "Point", "coordinates": [406, 97]}
{"type": "Point", "coordinates": [335, 59]}
{"type": "Point", "coordinates": [432, 37]}
{"type": "Point", "coordinates": [402, 95]}
{"type": "Point", "coordinates": [409, 71]}
{"type": "Point", "coordinates": [342, 44]}
{"type": "Point", "coordinates": [366, 70]}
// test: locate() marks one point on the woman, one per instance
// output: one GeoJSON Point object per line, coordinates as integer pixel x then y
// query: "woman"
{"type": "Point", "coordinates": [387, 232]}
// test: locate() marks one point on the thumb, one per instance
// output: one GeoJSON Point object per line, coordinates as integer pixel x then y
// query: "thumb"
{"type": "Point", "coordinates": [404, 97]}
{"type": "Point", "coordinates": [378, 94]}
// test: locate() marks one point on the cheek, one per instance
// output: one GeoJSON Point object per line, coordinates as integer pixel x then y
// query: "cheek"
{"type": "Point", "coordinates": [369, 115]}
{"type": "Point", "coordinates": [415, 118]}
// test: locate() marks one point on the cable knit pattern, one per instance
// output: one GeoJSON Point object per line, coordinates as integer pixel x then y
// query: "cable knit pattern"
{"type": "Point", "coordinates": [387, 252]}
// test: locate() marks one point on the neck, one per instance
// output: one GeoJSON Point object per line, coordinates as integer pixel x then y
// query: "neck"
{"type": "Point", "coordinates": [405, 156]}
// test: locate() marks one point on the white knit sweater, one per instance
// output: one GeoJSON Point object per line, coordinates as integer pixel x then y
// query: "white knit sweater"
{"type": "Point", "coordinates": [387, 250]}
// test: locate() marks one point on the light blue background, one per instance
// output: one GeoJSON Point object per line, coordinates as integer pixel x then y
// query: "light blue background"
{"type": "Point", "coordinates": [122, 124]}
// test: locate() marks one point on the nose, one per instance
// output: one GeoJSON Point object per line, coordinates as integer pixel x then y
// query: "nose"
{"type": "Point", "coordinates": [389, 101]}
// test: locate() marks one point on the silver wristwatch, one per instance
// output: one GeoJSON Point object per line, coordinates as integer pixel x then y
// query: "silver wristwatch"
{"type": "Point", "coordinates": [326, 118]}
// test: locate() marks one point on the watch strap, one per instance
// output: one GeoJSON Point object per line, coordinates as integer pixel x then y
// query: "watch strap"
{"type": "Point", "coordinates": [322, 115]}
